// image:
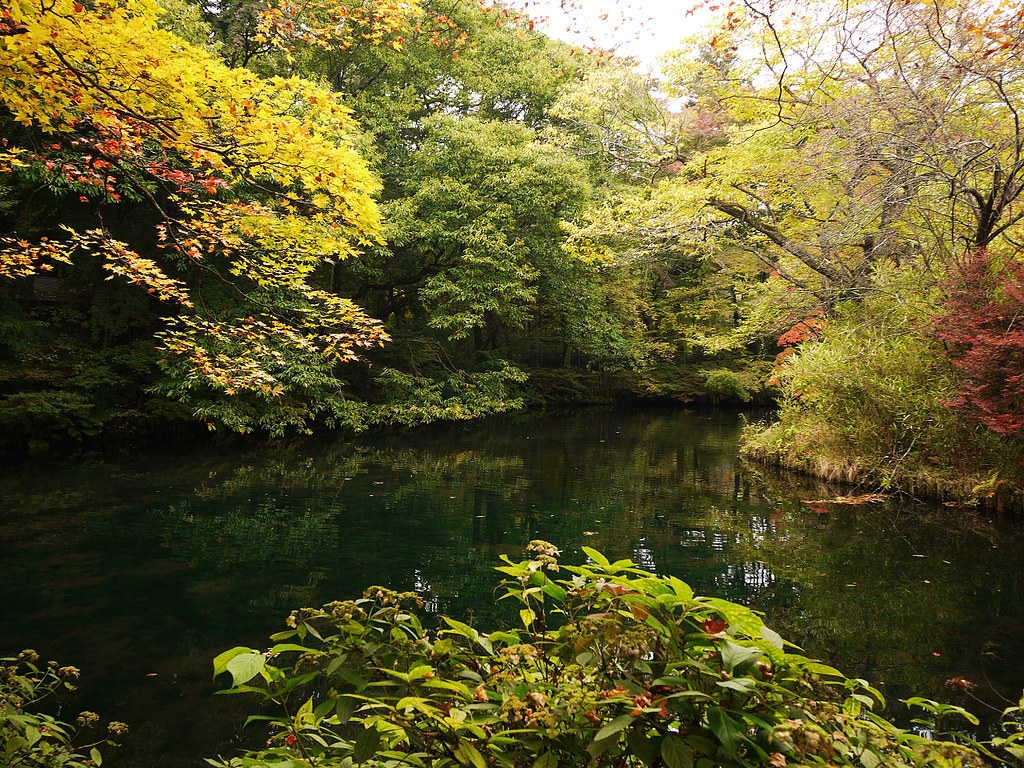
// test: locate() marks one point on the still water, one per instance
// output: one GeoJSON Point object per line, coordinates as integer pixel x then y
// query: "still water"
{"type": "Point", "coordinates": [139, 567]}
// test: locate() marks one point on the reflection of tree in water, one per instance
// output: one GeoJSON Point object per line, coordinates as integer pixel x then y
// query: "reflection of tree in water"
{"type": "Point", "coordinates": [902, 594]}
{"type": "Point", "coordinates": [137, 557]}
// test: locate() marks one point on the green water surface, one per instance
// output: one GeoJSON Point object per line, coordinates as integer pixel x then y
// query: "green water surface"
{"type": "Point", "coordinates": [139, 566]}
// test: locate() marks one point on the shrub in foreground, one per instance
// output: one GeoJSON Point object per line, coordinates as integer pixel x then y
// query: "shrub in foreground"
{"type": "Point", "coordinates": [32, 739]}
{"type": "Point", "coordinates": [609, 665]}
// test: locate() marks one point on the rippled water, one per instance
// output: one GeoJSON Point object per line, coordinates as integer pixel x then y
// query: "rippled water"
{"type": "Point", "coordinates": [139, 567]}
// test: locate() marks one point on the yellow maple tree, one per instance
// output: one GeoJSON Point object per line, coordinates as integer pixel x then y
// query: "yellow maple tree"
{"type": "Point", "coordinates": [254, 182]}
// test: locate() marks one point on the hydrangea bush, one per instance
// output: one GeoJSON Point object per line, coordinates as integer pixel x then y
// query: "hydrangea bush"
{"type": "Point", "coordinates": [609, 665]}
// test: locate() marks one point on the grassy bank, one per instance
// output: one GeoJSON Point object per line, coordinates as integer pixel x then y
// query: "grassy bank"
{"type": "Point", "coordinates": [985, 470]}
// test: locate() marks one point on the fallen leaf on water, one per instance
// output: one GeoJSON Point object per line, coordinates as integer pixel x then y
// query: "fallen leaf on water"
{"type": "Point", "coordinates": [866, 498]}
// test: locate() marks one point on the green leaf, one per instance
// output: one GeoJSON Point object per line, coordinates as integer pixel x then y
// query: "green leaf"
{"type": "Point", "coordinates": [350, 677]}
{"type": "Point", "coordinates": [596, 556]}
{"type": "Point", "coordinates": [306, 710]}
{"type": "Point", "coordinates": [15, 743]}
{"type": "Point", "coordinates": [344, 708]}
{"type": "Point", "coordinates": [701, 744]}
{"type": "Point", "coordinates": [675, 753]}
{"type": "Point", "coordinates": [258, 718]}
{"type": "Point", "coordinates": [554, 591]}
{"type": "Point", "coordinates": [528, 616]}
{"type": "Point", "coordinates": [500, 636]}
{"type": "Point", "coordinates": [824, 669]}
{"type": "Point", "coordinates": [546, 760]}
{"type": "Point", "coordinates": [448, 685]}
{"type": "Point", "coordinates": [459, 628]}
{"type": "Point", "coordinates": [96, 756]}
{"type": "Point", "coordinates": [772, 637]}
{"type": "Point", "coordinates": [240, 689]}
{"type": "Point", "coordinates": [220, 663]}
{"type": "Point", "coordinates": [614, 726]}
{"type": "Point", "coordinates": [741, 619]}
{"type": "Point", "coordinates": [680, 587]}
{"type": "Point", "coordinates": [282, 647]}
{"type": "Point", "coordinates": [244, 667]}
{"type": "Point", "coordinates": [469, 755]}
{"type": "Point", "coordinates": [1016, 751]}
{"type": "Point", "coordinates": [366, 745]}
{"type": "Point", "coordinates": [728, 731]}
{"type": "Point", "coordinates": [642, 746]}
{"type": "Point", "coordinates": [420, 670]}
{"type": "Point", "coordinates": [415, 702]}
{"type": "Point", "coordinates": [741, 684]}
{"type": "Point", "coordinates": [736, 656]}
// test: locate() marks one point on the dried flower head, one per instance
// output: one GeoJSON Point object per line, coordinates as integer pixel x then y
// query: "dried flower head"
{"type": "Point", "coordinates": [87, 718]}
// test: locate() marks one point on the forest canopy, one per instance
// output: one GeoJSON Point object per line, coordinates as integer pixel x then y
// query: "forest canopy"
{"type": "Point", "coordinates": [287, 216]}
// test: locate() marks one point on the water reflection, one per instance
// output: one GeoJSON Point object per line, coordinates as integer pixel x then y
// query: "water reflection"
{"type": "Point", "coordinates": [151, 563]}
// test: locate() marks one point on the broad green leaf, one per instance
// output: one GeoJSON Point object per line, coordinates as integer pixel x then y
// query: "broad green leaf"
{"type": "Point", "coordinates": [824, 669]}
{"type": "Point", "coordinates": [643, 745]}
{"type": "Point", "coordinates": [448, 685]}
{"type": "Point", "coordinates": [594, 555]}
{"type": "Point", "coordinates": [351, 677]}
{"type": "Point", "coordinates": [463, 629]}
{"type": "Point", "coordinates": [407, 702]}
{"type": "Point", "coordinates": [366, 745]}
{"type": "Point", "coordinates": [554, 591]}
{"type": "Point", "coordinates": [728, 731]}
{"type": "Point", "coordinates": [500, 636]}
{"type": "Point", "coordinates": [1015, 750]}
{"type": "Point", "coordinates": [735, 656]}
{"type": "Point", "coordinates": [344, 708]}
{"type": "Point", "coordinates": [245, 666]}
{"type": "Point", "coordinates": [420, 671]}
{"type": "Point", "coordinates": [240, 689]}
{"type": "Point", "coordinates": [741, 684]}
{"type": "Point", "coordinates": [675, 753]}
{"type": "Point", "coordinates": [546, 760]}
{"type": "Point", "coordinates": [614, 726]}
{"type": "Point", "coordinates": [97, 758]}
{"type": "Point", "coordinates": [15, 743]}
{"type": "Point", "coordinates": [741, 619]}
{"type": "Point", "coordinates": [772, 637]}
{"type": "Point", "coordinates": [680, 587]}
{"type": "Point", "coordinates": [220, 662]}
{"type": "Point", "coordinates": [469, 755]}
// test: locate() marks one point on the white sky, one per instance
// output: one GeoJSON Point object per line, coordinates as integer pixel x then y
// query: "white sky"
{"type": "Point", "coordinates": [641, 28]}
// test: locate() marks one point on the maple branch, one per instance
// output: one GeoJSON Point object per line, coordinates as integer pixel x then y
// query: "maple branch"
{"type": "Point", "coordinates": [742, 214]}
{"type": "Point", "coordinates": [88, 80]}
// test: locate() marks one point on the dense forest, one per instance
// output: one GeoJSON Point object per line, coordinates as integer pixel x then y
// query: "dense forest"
{"type": "Point", "coordinates": [289, 216]}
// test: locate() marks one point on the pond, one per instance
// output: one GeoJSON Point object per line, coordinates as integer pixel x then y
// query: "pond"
{"type": "Point", "coordinates": [140, 566]}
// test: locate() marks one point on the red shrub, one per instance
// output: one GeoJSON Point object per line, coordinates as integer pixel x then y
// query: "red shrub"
{"type": "Point", "coordinates": [983, 328]}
